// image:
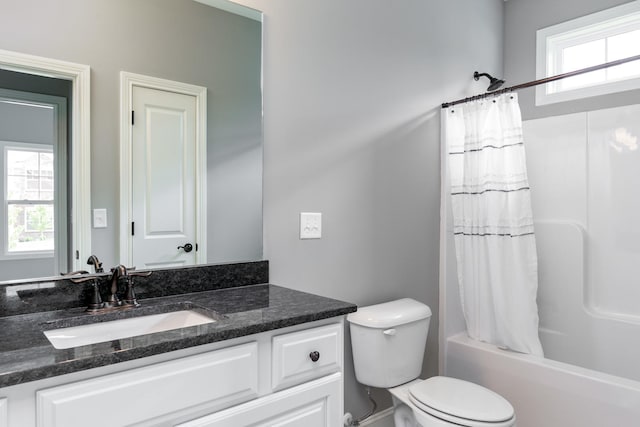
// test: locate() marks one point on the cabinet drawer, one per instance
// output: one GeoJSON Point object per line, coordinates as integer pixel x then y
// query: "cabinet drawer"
{"type": "Point", "coordinates": [217, 379]}
{"type": "Point", "coordinates": [301, 356]}
{"type": "Point", "coordinates": [314, 404]}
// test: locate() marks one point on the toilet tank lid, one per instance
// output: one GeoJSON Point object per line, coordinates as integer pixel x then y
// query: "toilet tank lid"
{"type": "Point", "coordinates": [390, 314]}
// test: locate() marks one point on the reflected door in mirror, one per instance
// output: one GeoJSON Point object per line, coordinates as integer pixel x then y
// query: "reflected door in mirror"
{"type": "Point", "coordinates": [163, 178]}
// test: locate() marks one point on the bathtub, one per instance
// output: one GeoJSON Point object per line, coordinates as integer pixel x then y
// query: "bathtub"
{"type": "Point", "coordinates": [544, 392]}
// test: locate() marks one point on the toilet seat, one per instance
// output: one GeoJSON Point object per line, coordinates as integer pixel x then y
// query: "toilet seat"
{"type": "Point", "coordinates": [461, 402]}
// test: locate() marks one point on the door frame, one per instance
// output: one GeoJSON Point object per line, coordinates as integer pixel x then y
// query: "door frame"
{"type": "Point", "coordinates": [80, 213]}
{"type": "Point", "coordinates": [127, 83]}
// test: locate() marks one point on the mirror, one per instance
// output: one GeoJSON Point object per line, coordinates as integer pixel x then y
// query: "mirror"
{"type": "Point", "coordinates": [193, 42]}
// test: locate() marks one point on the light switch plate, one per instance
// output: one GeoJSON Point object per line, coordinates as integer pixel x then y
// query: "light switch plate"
{"type": "Point", "coordinates": [99, 218]}
{"type": "Point", "coordinates": [310, 225]}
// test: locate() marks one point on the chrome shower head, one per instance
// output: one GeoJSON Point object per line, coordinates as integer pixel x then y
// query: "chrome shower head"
{"type": "Point", "coordinates": [494, 83]}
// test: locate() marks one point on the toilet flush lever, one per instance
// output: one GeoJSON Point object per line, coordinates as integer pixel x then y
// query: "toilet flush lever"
{"type": "Point", "coordinates": [389, 332]}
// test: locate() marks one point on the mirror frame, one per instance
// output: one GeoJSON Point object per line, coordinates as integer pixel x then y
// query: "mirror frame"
{"type": "Point", "coordinates": [79, 216]}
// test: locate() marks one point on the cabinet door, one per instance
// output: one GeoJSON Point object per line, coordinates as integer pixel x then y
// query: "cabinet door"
{"type": "Point", "coordinates": [217, 379]}
{"type": "Point", "coordinates": [314, 404]}
{"type": "Point", "coordinates": [4, 416]}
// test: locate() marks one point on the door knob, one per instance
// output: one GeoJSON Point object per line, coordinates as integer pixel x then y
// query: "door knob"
{"type": "Point", "coordinates": [188, 247]}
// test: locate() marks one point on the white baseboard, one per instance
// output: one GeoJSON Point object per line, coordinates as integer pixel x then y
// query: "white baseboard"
{"type": "Point", "coordinates": [380, 419]}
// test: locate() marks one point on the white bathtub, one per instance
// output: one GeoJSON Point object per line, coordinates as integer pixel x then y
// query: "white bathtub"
{"type": "Point", "coordinates": [546, 393]}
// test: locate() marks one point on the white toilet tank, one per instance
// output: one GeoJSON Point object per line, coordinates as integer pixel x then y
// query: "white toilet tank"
{"type": "Point", "coordinates": [388, 342]}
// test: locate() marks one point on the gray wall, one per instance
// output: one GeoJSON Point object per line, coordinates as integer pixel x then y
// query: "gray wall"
{"type": "Point", "coordinates": [522, 19]}
{"type": "Point", "coordinates": [21, 123]}
{"type": "Point", "coordinates": [352, 92]}
{"type": "Point", "coordinates": [173, 39]}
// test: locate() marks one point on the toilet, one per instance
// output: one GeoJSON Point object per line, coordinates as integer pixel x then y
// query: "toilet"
{"type": "Point", "coordinates": [388, 342]}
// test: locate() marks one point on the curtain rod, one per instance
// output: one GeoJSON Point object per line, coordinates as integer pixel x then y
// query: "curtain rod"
{"type": "Point", "coordinates": [542, 81]}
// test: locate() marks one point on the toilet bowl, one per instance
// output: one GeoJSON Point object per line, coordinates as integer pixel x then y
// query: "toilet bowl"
{"type": "Point", "coordinates": [446, 402]}
{"type": "Point", "coordinates": [388, 342]}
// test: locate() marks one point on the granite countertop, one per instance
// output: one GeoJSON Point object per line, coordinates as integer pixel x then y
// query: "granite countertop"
{"type": "Point", "coordinates": [26, 354]}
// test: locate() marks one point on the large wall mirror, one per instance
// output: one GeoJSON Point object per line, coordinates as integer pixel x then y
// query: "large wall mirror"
{"type": "Point", "coordinates": [215, 44]}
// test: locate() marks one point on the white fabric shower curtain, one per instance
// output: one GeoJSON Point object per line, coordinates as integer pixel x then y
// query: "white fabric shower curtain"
{"type": "Point", "coordinates": [492, 222]}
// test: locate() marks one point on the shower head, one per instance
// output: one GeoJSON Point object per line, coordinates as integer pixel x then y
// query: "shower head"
{"type": "Point", "coordinates": [494, 83]}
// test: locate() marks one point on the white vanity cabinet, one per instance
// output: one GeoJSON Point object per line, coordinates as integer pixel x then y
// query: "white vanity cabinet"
{"type": "Point", "coordinates": [3, 412]}
{"type": "Point", "coordinates": [309, 363]}
{"type": "Point", "coordinates": [285, 377]}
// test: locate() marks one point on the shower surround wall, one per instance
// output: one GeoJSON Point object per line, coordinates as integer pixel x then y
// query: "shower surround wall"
{"type": "Point", "coordinates": [583, 172]}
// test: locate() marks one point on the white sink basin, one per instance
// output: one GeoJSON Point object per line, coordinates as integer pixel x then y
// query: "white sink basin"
{"type": "Point", "coordinates": [94, 333]}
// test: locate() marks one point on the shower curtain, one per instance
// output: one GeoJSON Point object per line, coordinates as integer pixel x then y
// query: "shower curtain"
{"type": "Point", "coordinates": [492, 222]}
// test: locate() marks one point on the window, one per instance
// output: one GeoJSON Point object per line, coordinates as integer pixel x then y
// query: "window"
{"type": "Point", "coordinates": [591, 40]}
{"type": "Point", "coordinates": [29, 198]}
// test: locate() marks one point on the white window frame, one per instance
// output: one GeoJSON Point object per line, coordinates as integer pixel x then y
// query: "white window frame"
{"type": "Point", "coordinates": [35, 148]}
{"type": "Point", "coordinates": [552, 40]}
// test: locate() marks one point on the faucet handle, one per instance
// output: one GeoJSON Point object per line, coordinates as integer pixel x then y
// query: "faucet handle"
{"type": "Point", "coordinates": [96, 300]}
{"type": "Point", "coordinates": [82, 279]}
{"type": "Point", "coordinates": [130, 295]}
{"type": "Point", "coordinates": [74, 273]}
{"type": "Point", "coordinates": [132, 272]}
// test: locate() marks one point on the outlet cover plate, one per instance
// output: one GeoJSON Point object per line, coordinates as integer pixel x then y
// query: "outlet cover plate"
{"type": "Point", "coordinates": [310, 225]}
{"type": "Point", "coordinates": [99, 218]}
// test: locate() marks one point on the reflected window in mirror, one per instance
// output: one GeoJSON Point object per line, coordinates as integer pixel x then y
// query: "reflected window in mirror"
{"type": "Point", "coordinates": [33, 217]}
{"type": "Point", "coordinates": [29, 199]}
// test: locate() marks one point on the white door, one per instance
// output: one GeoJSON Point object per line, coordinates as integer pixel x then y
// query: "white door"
{"type": "Point", "coordinates": [163, 154]}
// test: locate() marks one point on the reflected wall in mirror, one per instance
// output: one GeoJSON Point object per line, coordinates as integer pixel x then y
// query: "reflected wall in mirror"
{"type": "Point", "coordinates": [185, 41]}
